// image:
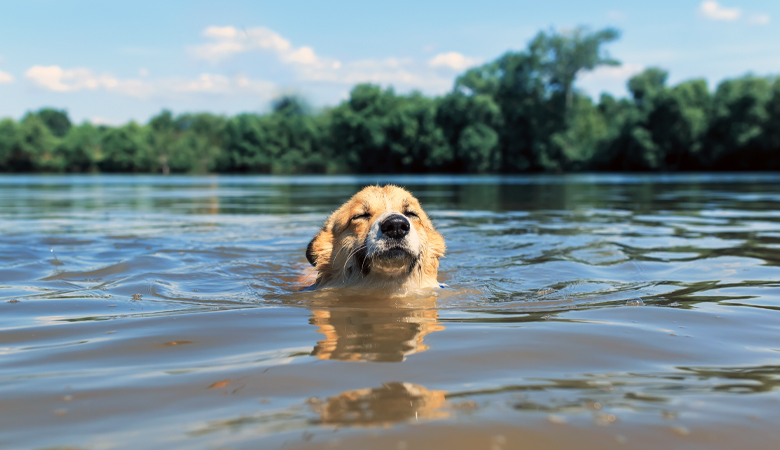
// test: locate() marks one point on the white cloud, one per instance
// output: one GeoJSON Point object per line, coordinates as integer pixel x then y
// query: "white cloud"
{"type": "Point", "coordinates": [220, 32]}
{"type": "Point", "coordinates": [759, 19]}
{"type": "Point", "coordinates": [610, 79]}
{"type": "Point", "coordinates": [208, 83]}
{"type": "Point", "coordinates": [102, 121]}
{"type": "Point", "coordinates": [617, 15]}
{"type": "Point", "coordinates": [228, 41]}
{"type": "Point", "coordinates": [452, 60]}
{"type": "Point", "coordinates": [55, 78]}
{"type": "Point", "coordinates": [712, 10]}
{"type": "Point", "coordinates": [398, 72]}
{"type": "Point", "coordinates": [6, 77]}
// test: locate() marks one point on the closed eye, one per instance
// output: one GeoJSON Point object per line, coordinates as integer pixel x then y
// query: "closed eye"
{"type": "Point", "coordinates": [361, 216]}
{"type": "Point", "coordinates": [411, 214]}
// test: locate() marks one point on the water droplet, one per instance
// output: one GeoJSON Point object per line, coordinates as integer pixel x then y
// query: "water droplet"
{"type": "Point", "coordinates": [669, 415]}
{"type": "Point", "coordinates": [553, 418]}
{"type": "Point", "coordinates": [313, 401]}
{"type": "Point", "coordinates": [605, 419]}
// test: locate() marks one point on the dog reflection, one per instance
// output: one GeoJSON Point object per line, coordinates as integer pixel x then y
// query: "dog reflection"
{"type": "Point", "coordinates": [393, 402]}
{"type": "Point", "coordinates": [382, 334]}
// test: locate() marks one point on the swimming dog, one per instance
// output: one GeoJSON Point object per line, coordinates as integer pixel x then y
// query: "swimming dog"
{"type": "Point", "coordinates": [380, 239]}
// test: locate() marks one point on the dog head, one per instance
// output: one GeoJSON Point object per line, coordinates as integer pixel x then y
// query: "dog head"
{"type": "Point", "coordinates": [380, 238]}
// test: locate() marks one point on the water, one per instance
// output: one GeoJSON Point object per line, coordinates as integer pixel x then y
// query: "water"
{"type": "Point", "coordinates": [601, 311]}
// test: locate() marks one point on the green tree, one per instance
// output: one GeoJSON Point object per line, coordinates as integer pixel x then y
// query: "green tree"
{"type": "Point", "coordinates": [739, 119]}
{"type": "Point", "coordinates": [162, 139]}
{"type": "Point", "coordinates": [35, 148]}
{"type": "Point", "coordinates": [587, 134]}
{"type": "Point", "coordinates": [771, 144]}
{"type": "Point", "coordinates": [80, 148]}
{"type": "Point", "coordinates": [202, 134]}
{"type": "Point", "coordinates": [56, 120]}
{"type": "Point", "coordinates": [125, 149]}
{"type": "Point", "coordinates": [535, 93]}
{"type": "Point", "coordinates": [564, 55]}
{"type": "Point", "coordinates": [9, 143]}
{"type": "Point", "coordinates": [245, 139]}
{"type": "Point", "coordinates": [381, 132]}
{"type": "Point", "coordinates": [678, 124]}
{"type": "Point", "coordinates": [634, 147]}
{"type": "Point", "coordinates": [470, 123]}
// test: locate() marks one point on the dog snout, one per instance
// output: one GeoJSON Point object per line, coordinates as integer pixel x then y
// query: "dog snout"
{"type": "Point", "coordinates": [395, 226]}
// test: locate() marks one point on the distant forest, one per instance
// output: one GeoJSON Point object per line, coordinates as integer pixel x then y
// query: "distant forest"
{"type": "Point", "coordinates": [520, 113]}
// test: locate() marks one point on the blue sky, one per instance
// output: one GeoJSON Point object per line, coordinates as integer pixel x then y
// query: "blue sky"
{"type": "Point", "coordinates": [110, 62]}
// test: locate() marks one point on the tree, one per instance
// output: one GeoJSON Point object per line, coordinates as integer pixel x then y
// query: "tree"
{"type": "Point", "coordinates": [470, 124]}
{"type": "Point", "coordinates": [204, 134]}
{"type": "Point", "coordinates": [535, 93]}
{"type": "Point", "coordinates": [564, 55]}
{"type": "Point", "coordinates": [9, 142]}
{"type": "Point", "coordinates": [125, 149]}
{"type": "Point", "coordinates": [738, 121]}
{"type": "Point", "coordinates": [245, 140]}
{"type": "Point", "coordinates": [80, 148]}
{"type": "Point", "coordinates": [381, 132]}
{"type": "Point", "coordinates": [56, 120]}
{"type": "Point", "coordinates": [634, 147]}
{"type": "Point", "coordinates": [771, 133]}
{"type": "Point", "coordinates": [678, 124]}
{"type": "Point", "coordinates": [35, 148]}
{"type": "Point", "coordinates": [162, 138]}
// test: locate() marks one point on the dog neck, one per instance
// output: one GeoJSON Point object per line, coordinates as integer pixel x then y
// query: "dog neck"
{"type": "Point", "coordinates": [366, 275]}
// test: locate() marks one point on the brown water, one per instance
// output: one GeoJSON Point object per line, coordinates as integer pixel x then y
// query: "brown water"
{"type": "Point", "coordinates": [582, 312]}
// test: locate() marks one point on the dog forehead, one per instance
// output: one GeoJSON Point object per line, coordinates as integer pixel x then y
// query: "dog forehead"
{"type": "Point", "coordinates": [383, 198]}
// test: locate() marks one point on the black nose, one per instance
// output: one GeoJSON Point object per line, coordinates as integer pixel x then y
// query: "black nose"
{"type": "Point", "coordinates": [395, 226]}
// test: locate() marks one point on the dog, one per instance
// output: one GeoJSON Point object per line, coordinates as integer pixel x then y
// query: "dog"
{"type": "Point", "coordinates": [380, 239]}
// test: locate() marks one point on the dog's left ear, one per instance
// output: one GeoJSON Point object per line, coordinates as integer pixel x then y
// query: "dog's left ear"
{"type": "Point", "coordinates": [310, 251]}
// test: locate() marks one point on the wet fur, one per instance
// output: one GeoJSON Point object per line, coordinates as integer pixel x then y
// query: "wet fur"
{"type": "Point", "coordinates": [340, 254]}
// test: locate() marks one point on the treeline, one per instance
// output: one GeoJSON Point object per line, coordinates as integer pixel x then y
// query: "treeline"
{"type": "Point", "coordinates": [519, 113]}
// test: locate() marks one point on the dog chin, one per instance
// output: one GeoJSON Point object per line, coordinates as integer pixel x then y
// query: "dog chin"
{"type": "Point", "coordinates": [394, 261]}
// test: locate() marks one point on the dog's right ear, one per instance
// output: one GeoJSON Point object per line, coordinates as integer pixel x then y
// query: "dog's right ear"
{"type": "Point", "coordinates": [319, 249]}
{"type": "Point", "coordinates": [310, 252]}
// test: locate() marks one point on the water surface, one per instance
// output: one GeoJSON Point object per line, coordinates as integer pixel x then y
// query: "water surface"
{"type": "Point", "coordinates": [583, 311]}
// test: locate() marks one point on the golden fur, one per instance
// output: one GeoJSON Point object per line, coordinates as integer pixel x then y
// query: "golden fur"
{"type": "Point", "coordinates": [350, 251]}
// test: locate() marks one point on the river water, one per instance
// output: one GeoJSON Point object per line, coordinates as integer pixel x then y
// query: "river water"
{"type": "Point", "coordinates": [586, 311]}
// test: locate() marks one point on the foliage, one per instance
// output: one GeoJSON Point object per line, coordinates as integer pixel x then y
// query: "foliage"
{"type": "Point", "coordinates": [519, 113]}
